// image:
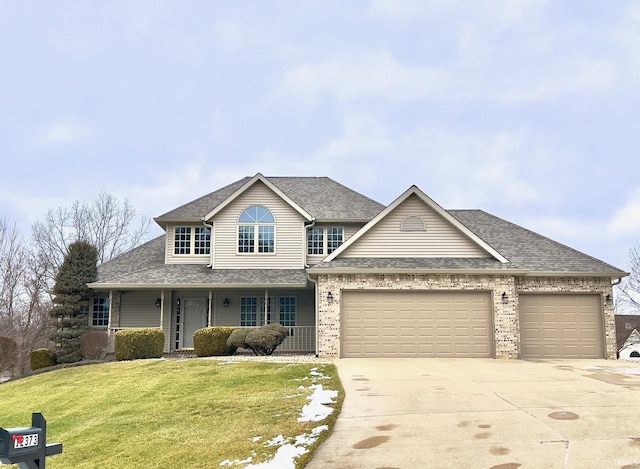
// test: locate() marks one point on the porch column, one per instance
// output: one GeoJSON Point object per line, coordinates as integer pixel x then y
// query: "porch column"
{"type": "Point", "coordinates": [162, 310]}
{"type": "Point", "coordinates": [210, 308]}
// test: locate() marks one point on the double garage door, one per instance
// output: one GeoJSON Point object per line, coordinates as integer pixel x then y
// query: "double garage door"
{"type": "Point", "coordinates": [459, 324]}
{"type": "Point", "coordinates": [416, 324]}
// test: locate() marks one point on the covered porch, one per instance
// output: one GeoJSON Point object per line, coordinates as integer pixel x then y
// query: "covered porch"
{"type": "Point", "coordinates": [181, 312]}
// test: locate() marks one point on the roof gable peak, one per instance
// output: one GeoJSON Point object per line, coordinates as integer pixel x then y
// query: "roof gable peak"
{"type": "Point", "coordinates": [416, 191]}
{"type": "Point", "coordinates": [255, 179]}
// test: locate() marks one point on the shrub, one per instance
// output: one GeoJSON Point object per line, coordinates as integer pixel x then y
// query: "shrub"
{"type": "Point", "coordinates": [212, 341]}
{"type": "Point", "coordinates": [133, 344]}
{"type": "Point", "coordinates": [8, 354]}
{"type": "Point", "coordinates": [237, 338]}
{"type": "Point", "coordinates": [93, 345]}
{"type": "Point", "coordinates": [266, 339]}
{"type": "Point", "coordinates": [42, 358]}
{"type": "Point", "coordinates": [261, 341]}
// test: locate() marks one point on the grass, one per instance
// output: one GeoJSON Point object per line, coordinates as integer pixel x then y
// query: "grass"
{"type": "Point", "coordinates": [166, 413]}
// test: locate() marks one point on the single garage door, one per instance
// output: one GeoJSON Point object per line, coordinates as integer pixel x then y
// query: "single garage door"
{"type": "Point", "coordinates": [416, 324]}
{"type": "Point", "coordinates": [561, 326]}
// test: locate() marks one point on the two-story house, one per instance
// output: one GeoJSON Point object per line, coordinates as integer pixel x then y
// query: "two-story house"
{"type": "Point", "coordinates": [353, 278]}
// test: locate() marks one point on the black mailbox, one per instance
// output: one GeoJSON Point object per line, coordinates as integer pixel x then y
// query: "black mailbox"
{"type": "Point", "coordinates": [27, 446]}
{"type": "Point", "coordinates": [20, 443]}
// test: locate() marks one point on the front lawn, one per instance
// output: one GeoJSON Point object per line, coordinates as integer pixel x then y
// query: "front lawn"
{"type": "Point", "coordinates": [194, 413]}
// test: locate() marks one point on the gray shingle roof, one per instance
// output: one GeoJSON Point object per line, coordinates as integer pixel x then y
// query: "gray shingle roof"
{"type": "Point", "coordinates": [144, 266]}
{"type": "Point", "coordinates": [529, 250]}
{"type": "Point", "coordinates": [322, 197]}
{"type": "Point", "coordinates": [526, 251]}
{"type": "Point", "coordinates": [201, 206]}
{"type": "Point", "coordinates": [415, 263]}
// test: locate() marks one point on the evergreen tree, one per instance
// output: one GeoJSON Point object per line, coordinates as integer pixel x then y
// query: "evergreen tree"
{"type": "Point", "coordinates": [71, 301]}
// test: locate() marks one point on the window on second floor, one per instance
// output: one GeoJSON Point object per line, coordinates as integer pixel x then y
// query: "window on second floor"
{"type": "Point", "coordinates": [324, 240]}
{"type": "Point", "coordinates": [256, 231]}
{"type": "Point", "coordinates": [192, 240]}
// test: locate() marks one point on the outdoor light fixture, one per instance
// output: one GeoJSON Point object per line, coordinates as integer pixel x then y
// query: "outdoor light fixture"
{"type": "Point", "coordinates": [329, 297]}
{"type": "Point", "coordinates": [608, 300]}
{"type": "Point", "coordinates": [505, 298]}
{"type": "Point", "coordinates": [158, 303]}
{"type": "Point", "coordinates": [225, 303]}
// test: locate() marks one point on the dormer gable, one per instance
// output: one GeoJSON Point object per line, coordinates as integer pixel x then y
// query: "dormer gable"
{"type": "Point", "coordinates": [415, 226]}
{"type": "Point", "coordinates": [258, 178]}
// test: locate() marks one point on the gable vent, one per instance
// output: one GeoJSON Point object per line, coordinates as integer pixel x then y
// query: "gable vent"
{"type": "Point", "coordinates": [413, 223]}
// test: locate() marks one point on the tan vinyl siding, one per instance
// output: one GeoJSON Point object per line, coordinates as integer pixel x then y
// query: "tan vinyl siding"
{"type": "Point", "coordinates": [289, 239]}
{"type": "Point", "coordinates": [138, 309]}
{"type": "Point", "coordinates": [349, 229]}
{"type": "Point", "coordinates": [441, 239]}
{"type": "Point", "coordinates": [230, 316]}
{"type": "Point", "coordinates": [173, 258]}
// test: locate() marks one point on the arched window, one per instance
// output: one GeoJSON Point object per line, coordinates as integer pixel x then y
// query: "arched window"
{"type": "Point", "coordinates": [413, 223]}
{"type": "Point", "coordinates": [256, 227]}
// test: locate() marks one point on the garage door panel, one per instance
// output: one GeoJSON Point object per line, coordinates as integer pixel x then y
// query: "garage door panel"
{"type": "Point", "coordinates": [561, 326]}
{"type": "Point", "coordinates": [443, 324]}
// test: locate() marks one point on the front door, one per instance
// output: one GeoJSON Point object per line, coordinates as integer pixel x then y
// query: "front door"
{"type": "Point", "coordinates": [194, 318]}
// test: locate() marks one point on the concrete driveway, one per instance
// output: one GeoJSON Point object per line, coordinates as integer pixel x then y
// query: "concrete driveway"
{"type": "Point", "coordinates": [483, 413]}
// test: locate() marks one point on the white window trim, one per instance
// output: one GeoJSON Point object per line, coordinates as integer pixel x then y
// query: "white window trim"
{"type": "Point", "coordinates": [325, 240]}
{"type": "Point", "coordinates": [192, 246]}
{"type": "Point", "coordinates": [256, 234]}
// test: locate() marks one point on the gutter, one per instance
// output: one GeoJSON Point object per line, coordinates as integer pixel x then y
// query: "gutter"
{"type": "Point", "coordinates": [188, 286]}
{"type": "Point", "coordinates": [372, 270]}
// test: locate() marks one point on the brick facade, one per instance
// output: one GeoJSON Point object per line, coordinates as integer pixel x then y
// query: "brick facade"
{"type": "Point", "coordinates": [600, 285]}
{"type": "Point", "coordinates": [505, 316]}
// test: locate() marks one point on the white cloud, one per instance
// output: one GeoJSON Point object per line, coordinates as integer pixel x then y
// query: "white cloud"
{"type": "Point", "coordinates": [66, 130]}
{"type": "Point", "coordinates": [626, 220]}
{"type": "Point", "coordinates": [575, 76]}
{"type": "Point", "coordinates": [497, 14]}
{"type": "Point", "coordinates": [367, 75]}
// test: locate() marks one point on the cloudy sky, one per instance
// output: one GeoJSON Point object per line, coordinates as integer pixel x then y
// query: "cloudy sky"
{"type": "Point", "coordinates": [528, 109]}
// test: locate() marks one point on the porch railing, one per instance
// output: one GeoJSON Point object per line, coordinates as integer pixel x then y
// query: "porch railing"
{"type": "Point", "coordinates": [301, 339]}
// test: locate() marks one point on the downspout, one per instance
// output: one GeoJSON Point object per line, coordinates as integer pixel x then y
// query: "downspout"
{"type": "Point", "coordinates": [617, 282]}
{"type": "Point", "coordinates": [315, 294]}
{"type": "Point", "coordinates": [210, 266]}
{"type": "Point", "coordinates": [315, 285]}
{"type": "Point", "coordinates": [304, 251]}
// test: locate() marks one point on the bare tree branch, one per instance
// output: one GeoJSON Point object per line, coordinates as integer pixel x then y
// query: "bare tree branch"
{"type": "Point", "coordinates": [629, 289]}
{"type": "Point", "coordinates": [109, 225]}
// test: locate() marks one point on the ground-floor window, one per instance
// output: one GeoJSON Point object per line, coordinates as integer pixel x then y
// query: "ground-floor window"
{"type": "Point", "coordinates": [248, 311]}
{"type": "Point", "coordinates": [100, 312]}
{"type": "Point", "coordinates": [288, 310]}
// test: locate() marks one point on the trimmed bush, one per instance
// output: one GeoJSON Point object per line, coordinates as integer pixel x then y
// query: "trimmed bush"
{"type": "Point", "coordinates": [237, 338]}
{"type": "Point", "coordinates": [42, 358]}
{"type": "Point", "coordinates": [212, 341]}
{"type": "Point", "coordinates": [261, 341]}
{"type": "Point", "coordinates": [133, 344]}
{"type": "Point", "coordinates": [93, 345]}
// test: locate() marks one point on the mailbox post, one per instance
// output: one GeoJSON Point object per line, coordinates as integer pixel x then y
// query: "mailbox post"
{"type": "Point", "coordinates": [27, 447]}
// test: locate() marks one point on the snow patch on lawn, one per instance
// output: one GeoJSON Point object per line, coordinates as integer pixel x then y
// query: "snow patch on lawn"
{"type": "Point", "coordinates": [316, 410]}
{"type": "Point", "coordinates": [293, 447]}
